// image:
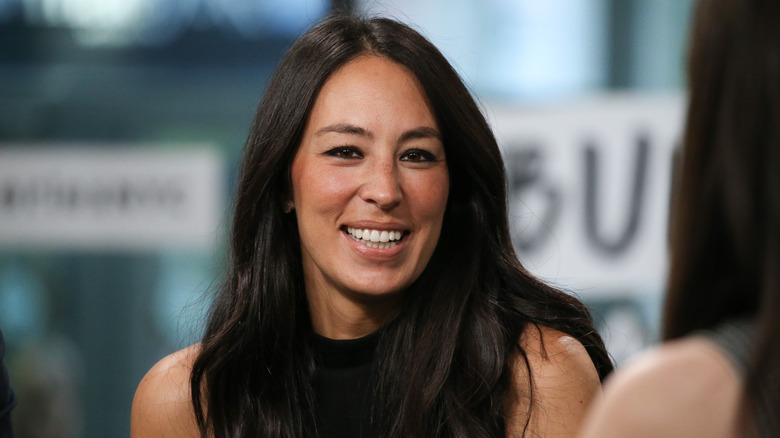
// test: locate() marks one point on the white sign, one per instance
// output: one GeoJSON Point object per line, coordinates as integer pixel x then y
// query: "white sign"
{"type": "Point", "coordinates": [140, 198]}
{"type": "Point", "coordinates": [589, 189]}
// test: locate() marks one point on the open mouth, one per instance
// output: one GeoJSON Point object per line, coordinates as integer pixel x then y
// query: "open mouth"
{"type": "Point", "coordinates": [376, 238]}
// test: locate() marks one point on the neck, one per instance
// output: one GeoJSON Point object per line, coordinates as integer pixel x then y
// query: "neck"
{"type": "Point", "coordinates": [340, 316]}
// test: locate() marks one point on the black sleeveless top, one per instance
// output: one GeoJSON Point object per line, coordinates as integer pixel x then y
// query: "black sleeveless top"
{"type": "Point", "coordinates": [342, 386]}
{"type": "Point", "coordinates": [736, 339]}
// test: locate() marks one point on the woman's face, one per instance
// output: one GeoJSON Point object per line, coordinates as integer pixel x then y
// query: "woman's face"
{"type": "Point", "coordinates": [370, 183]}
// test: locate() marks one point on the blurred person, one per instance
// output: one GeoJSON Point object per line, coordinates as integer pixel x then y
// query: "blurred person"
{"type": "Point", "coordinates": [46, 374]}
{"type": "Point", "coordinates": [7, 398]}
{"type": "Point", "coordinates": [718, 374]}
{"type": "Point", "coordinates": [373, 288]}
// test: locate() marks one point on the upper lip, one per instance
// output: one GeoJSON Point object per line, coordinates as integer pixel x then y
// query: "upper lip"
{"type": "Point", "coordinates": [374, 225]}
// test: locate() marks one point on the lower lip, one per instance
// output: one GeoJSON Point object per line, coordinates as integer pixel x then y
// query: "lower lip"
{"type": "Point", "coordinates": [376, 253]}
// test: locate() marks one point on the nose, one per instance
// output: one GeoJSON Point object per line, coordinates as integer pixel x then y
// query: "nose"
{"type": "Point", "coordinates": [382, 186]}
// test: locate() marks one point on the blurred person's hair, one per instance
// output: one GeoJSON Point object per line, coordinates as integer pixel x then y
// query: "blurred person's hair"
{"type": "Point", "coordinates": [444, 363]}
{"type": "Point", "coordinates": [725, 229]}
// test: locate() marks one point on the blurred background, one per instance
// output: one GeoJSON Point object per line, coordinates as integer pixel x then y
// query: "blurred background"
{"type": "Point", "coordinates": [121, 124]}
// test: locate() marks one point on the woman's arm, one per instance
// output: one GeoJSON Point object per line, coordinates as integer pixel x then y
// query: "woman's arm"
{"type": "Point", "coordinates": [162, 407]}
{"type": "Point", "coordinates": [684, 388]}
{"type": "Point", "coordinates": [565, 382]}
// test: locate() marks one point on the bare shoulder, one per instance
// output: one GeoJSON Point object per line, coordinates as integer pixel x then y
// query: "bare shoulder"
{"type": "Point", "coordinates": [555, 355]}
{"type": "Point", "coordinates": [682, 388]}
{"type": "Point", "coordinates": [565, 381]}
{"type": "Point", "coordinates": [162, 406]}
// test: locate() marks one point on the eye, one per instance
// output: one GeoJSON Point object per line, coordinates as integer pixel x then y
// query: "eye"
{"type": "Point", "coordinates": [417, 156]}
{"type": "Point", "coordinates": [346, 152]}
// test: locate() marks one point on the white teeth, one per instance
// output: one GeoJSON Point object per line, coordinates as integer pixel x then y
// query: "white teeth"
{"type": "Point", "coordinates": [376, 238]}
{"type": "Point", "coordinates": [381, 245]}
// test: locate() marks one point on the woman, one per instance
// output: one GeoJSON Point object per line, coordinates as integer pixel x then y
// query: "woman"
{"type": "Point", "coordinates": [373, 288]}
{"type": "Point", "coordinates": [719, 374]}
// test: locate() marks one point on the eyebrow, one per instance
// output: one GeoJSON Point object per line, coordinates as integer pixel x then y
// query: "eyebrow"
{"type": "Point", "coordinates": [344, 128]}
{"type": "Point", "coordinates": [421, 132]}
{"type": "Point", "coordinates": [412, 134]}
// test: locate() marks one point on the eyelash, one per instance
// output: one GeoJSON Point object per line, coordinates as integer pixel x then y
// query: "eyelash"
{"type": "Point", "coordinates": [422, 155]}
{"type": "Point", "coordinates": [346, 152]}
{"type": "Point", "coordinates": [351, 153]}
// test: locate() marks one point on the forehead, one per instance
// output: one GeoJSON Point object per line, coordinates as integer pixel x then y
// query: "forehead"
{"type": "Point", "coordinates": [369, 89]}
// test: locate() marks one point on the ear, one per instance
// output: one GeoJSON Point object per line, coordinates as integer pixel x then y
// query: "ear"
{"type": "Point", "coordinates": [289, 206]}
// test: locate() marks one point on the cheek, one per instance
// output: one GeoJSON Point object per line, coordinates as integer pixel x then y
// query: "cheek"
{"type": "Point", "coordinates": [319, 190]}
{"type": "Point", "coordinates": [430, 195]}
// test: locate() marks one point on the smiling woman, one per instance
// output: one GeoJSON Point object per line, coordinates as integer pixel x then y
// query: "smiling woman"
{"type": "Point", "coordinates": [373, 289]}
{"type": "Point", "coordinates": [371, 160]}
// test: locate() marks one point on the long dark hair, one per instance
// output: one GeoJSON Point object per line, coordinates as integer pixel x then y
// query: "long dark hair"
{"type": "Point", "coordinates": [725, 230]}
{"type": "Point", "coordinates": [445, 361]}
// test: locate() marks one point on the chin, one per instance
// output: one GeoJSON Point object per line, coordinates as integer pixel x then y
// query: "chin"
{"type": "Point", "coordinates": [372, 293]}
